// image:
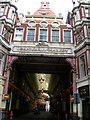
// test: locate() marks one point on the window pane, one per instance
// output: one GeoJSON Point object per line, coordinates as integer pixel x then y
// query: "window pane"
{"type": "Point", "coordinates": [1, 62]}
{"type": "Point", "coordinates": [31, 32]}
{"type": "Point", "coordinates": [30, 38]}
{"type": "Point", "coordinates": [19, 31]}
{"type": "Point", "coordinates": [55, 35]}
{"type": "Point", "coordinates": [31, 35]}
{"type": "Point", "coordinates": [18, 37]}
{"type": "Point", "coordinates": [43, 32]}
{"type": "Point", "coordinates": [55, 39]}
{"type": "Point", "coordinates": [67, 40]}
{"type": "Point", "coordinates": [43, 38]}
{"type": "Point", "coordinates": [67, 36]}
{"type": "Point", "coordinates": [19, 34]}
{"type": "Point", "coordinates": [82, 66]}
{"type": "Point", "coordinates": [1, 11]}
{"type": "Point", "coordinates": [43, 35]}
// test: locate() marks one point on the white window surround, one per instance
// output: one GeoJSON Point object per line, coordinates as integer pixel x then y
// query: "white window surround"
{"type": "Point", "coordinates": [46, 35]}
{"type": "Point", "coordinates": [19, 34]}
{"type": "Point", "coordinates": [34, 33]}
{"type": "Point", "coordinates": [82, 66]}
{"type": "Point", "coordinates": [71, 34]}
{"type": "Point", "coordinates": [52, 35]}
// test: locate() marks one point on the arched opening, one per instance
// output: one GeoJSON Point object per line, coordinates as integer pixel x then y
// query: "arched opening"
{"type": "Point", "coordinates": [40, 84]}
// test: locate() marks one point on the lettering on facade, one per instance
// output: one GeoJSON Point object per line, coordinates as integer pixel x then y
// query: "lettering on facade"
{"type": "Point", "coordinates": [40, 49]}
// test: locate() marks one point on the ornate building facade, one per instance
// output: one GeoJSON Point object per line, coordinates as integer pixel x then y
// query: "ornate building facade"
{"type": "Point", "coordinates": [43, 39]}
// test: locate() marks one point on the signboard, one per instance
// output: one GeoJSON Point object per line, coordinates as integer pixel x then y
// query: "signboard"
{"type": "Point", "coordinates": [72, 98]}
{"type": "Point", "coordinates": [42, 48]}
{"type": "Point", "coordinates": [6, 96]}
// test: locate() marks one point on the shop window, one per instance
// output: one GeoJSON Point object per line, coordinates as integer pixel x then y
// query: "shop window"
{"type": "Point", "coordinates": [43, 35]}
{"type": "Point", "coordinates": [2, 11]}
{"type": "Point", "coordinates": [6, 34]}
{"type": "Point", "coordinates": [18, 34]}
{"type": "Point", "coordinates": [55, 35]}
{"type": "Point", "coordinates": [82, 66]}
{"type": "Point", "coordinates": [67, 36]}
{"type": "Point", "coordinates": [31, 35]}
{"type": "Point", "coordinates": [1, 63]}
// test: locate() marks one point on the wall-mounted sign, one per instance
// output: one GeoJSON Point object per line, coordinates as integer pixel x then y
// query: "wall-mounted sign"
{"type": "Point", "coordinates": [6, 96]}
{"type": "Point", "coordinates": [84, 91]}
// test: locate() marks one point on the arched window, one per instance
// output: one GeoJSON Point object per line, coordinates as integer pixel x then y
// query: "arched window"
{"type": "Point", "coordinates": [31, 23]}
{"type": "Point", "coordinates": [55, 24]}
{"type": "Point", "coordinates": [43, 24]}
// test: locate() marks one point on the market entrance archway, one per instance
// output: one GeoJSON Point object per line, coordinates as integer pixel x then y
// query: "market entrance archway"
{"type": "Point", "coordinates": [40, 82]}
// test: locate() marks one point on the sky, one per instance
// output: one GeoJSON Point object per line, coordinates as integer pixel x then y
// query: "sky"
{"type": "Point", "coordinates": [57, 6]}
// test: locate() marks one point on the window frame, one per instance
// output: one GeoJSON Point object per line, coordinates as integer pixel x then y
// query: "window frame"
{"type": "Point", "coordinates": [2, 60]}
{"type": "Point", "coordinates": [58, 35]}
{"type": "Point", "coordinates": [80, 66]}
{"type": "Point", "coordinates": [32, 35]}
{"type": "Point", "coordinates": [71, 36]}
{"type": "Point", "coordinates": [11, 14]}
{"type": "Point", "coordinates": [17, 34]}
{"type": "Point", "coordinates": [77, 16]}
{"type": "Point", "coordinates": [46, 35]}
